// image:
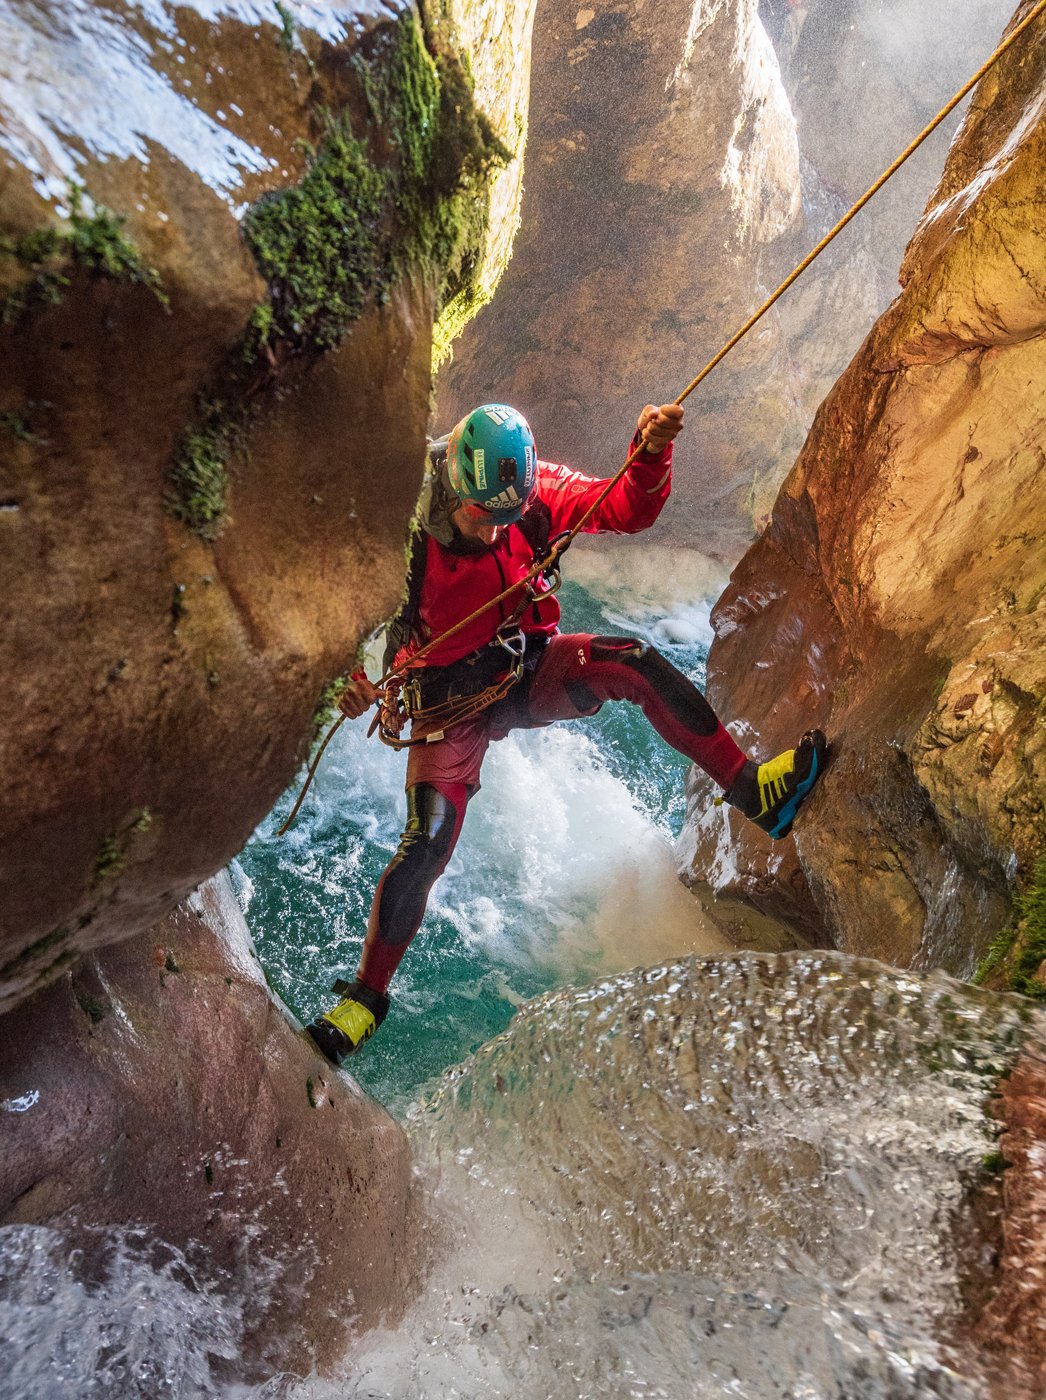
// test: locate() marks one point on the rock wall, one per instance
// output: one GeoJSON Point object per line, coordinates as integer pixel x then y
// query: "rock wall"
{"type": "Point", "coordinates": [206, 473]}
{"type": "Point", "coordinates": [681, 164]}
{"type": "Point", "coordinates": [1011, 1324]}
{"type": "Point", "coordinates": [897, 597]}
{"type": "Point", "coordinates": [663, 156]}
{"type": "Point", "coordinates": [159, 1087]}
{"type": "Point", "coordinates": [223, 244]}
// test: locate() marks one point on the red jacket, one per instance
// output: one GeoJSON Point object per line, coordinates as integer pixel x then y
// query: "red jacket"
{"type": "Point", "coordinates": [454, 585]}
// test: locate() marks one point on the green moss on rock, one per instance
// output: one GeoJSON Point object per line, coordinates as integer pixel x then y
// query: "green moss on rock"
{"type": "Point", "coordinates": [413, 193]}
{"type": "Point", "coordinates": [109, 861]}
{"type": "Point", "coordinates": [327, 706]}
{"type": "Point", "coordinates": [317, 243]}
{"type": "Point", "coordinates": [199, 477]}
{"type": "Point", "coordinates": [94, 242]}
{"type": "Point", "coordinates": [407, 190]}
{"type": "Point", "coordinates": [1016, 953]}
{"type": "Point", "coordinates": [287, 27]}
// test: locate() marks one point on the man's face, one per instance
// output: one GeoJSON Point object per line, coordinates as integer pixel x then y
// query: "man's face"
{"type": "Point", "coordinates": [472, 522]}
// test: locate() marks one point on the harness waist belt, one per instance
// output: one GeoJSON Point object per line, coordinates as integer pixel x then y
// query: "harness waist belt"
{"type": "Point", "coordinates": [486, 666]}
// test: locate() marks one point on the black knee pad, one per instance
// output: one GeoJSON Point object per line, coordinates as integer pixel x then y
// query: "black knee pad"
{"type": "Point", "coordinates": [668, 683]}
{"type": "Point", "coordinates": [431, 819]}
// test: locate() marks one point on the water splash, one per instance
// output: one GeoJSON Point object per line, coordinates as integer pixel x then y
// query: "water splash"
{"type": "Point", "coordinates": [737, 1176]}
{"type": "Point", "coordinates": [744, 1176]}
{"type": "Point", "coordinates": [127, 1317]}
{"type": "Point", "coordinates": [565, 870]}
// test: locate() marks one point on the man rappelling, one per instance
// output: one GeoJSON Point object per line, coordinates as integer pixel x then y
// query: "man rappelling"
{"type": "Point", "coordinates": [473, 669]}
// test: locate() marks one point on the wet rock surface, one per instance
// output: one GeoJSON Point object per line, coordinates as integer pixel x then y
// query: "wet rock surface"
{"type": "Point", "coordinates": [1012, 1325]}
{"type": "Point", "coordinates": [205, 479]}
{"type": "Point", "coordinates": [159, 1087]}
{"type": "Point", "coordinates": [166, 637]}
{"type": "Point", "coordinates": [723, 1175]}
{"type": "Point", "coordinates": [896, 599]}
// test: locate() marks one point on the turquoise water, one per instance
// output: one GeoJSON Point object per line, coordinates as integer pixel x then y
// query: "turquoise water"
{"type": "Point", "coordinates": [568, 839]}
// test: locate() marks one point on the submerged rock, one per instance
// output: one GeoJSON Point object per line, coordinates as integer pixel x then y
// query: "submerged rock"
{"type": "Point", "coordinates": [159, 1088]}
{"type": "Point", "coordinates": [896, 599]}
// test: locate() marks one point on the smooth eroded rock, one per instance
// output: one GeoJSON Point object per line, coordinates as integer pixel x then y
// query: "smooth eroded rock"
{"type": "Point", "coordinates": [160, 1086]}
{"type": "Point", "coordinates": [896, 599]}
{"type": "Point", "coordinates": [164, 646]}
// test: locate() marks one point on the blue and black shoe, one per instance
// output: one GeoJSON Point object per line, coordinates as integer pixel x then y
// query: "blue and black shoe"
{"type": "Point", "coordinates": [770, 794]}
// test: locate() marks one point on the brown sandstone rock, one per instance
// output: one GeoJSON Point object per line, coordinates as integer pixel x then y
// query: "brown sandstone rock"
{"type": "Point", "coordinates": [896, 599]}
{"type": "Point", "coordinates": [159, 687]}
{"type": "Point", "coordinates": [1011, 1326]}
{"type": "Point", "coordinates": [158, 1085]}
{"type": "Point", "coordinates": [662, 157]}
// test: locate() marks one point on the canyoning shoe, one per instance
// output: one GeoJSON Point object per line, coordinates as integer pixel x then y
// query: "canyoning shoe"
{"type": "Point", "coordinates": [785, 782]}
{"type": "Point", "coordinates": [342, 1031]}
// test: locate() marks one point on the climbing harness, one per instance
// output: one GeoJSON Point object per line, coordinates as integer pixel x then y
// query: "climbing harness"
{"type": "Point", "coordinates": [394, 689]}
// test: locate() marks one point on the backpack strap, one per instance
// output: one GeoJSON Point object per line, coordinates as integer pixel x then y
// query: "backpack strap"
{"type": "Point", "coordinates": [536, 524]}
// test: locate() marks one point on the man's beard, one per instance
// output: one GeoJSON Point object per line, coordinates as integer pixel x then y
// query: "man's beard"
{"type": "Point", "coordinates": [468, 544]}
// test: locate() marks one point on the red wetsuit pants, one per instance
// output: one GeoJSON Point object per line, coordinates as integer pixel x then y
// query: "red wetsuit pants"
{"type": "Point", "coordinates": [574, 675]}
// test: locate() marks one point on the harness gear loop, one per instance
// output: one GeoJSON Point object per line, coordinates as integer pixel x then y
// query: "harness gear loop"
{"type": "Point", "coordinates": [402, 700]}
{"type": "Point", "coordinates": [562, 542]}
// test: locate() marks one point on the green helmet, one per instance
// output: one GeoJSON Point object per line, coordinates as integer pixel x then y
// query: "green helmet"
{"type": "Point", "coordinates": [492, 461]}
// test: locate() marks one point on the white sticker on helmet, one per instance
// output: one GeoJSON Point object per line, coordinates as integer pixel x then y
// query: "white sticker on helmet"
{"type": "Point", "coordinates": [504, 501]}
{"type": "Point", "coordinates": [479, 462]}
{"type": "Point", "coordinates": [498, 413]}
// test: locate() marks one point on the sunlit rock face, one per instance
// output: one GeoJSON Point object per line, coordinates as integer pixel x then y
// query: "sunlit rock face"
{"type": "Point", "coordinates": [1013, 1322]}
{"type": "Point", "coordinates": [863, 78]}
{"type": "Point", "coordinates": [159, 679]}
{"type": "Point", "coordinates": [681, 161]}
{"type": "Point", "coordinates": [897, 597]}
{"type": "Point", "coordinates": [169, 1094]}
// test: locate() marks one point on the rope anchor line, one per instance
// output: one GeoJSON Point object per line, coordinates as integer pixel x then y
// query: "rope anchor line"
{"type": "Point", "coordinates": [560, 545]}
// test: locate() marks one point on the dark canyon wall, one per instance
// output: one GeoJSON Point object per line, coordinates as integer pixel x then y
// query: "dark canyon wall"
{"type": "Point", "coordinates": [223, 244]}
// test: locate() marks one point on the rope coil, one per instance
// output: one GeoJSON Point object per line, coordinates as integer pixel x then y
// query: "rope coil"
{"type": "Point", "coordinates": [558, 546]}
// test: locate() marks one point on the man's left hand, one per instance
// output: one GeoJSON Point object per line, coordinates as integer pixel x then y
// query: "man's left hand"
{"type": "Point", "coordinates": [658, 426]}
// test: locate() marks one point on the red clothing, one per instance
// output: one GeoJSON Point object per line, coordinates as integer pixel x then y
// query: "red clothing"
{"type": "Point", "coordinates": [454, 584]}
{"type": "Point", "coordinates": [567, 677]}
{"type": "Point", "coordinates": [574, 676]}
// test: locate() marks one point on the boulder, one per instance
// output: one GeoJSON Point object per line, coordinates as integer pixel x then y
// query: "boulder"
{"type": "Point", "coordinates": [159, 1086]}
